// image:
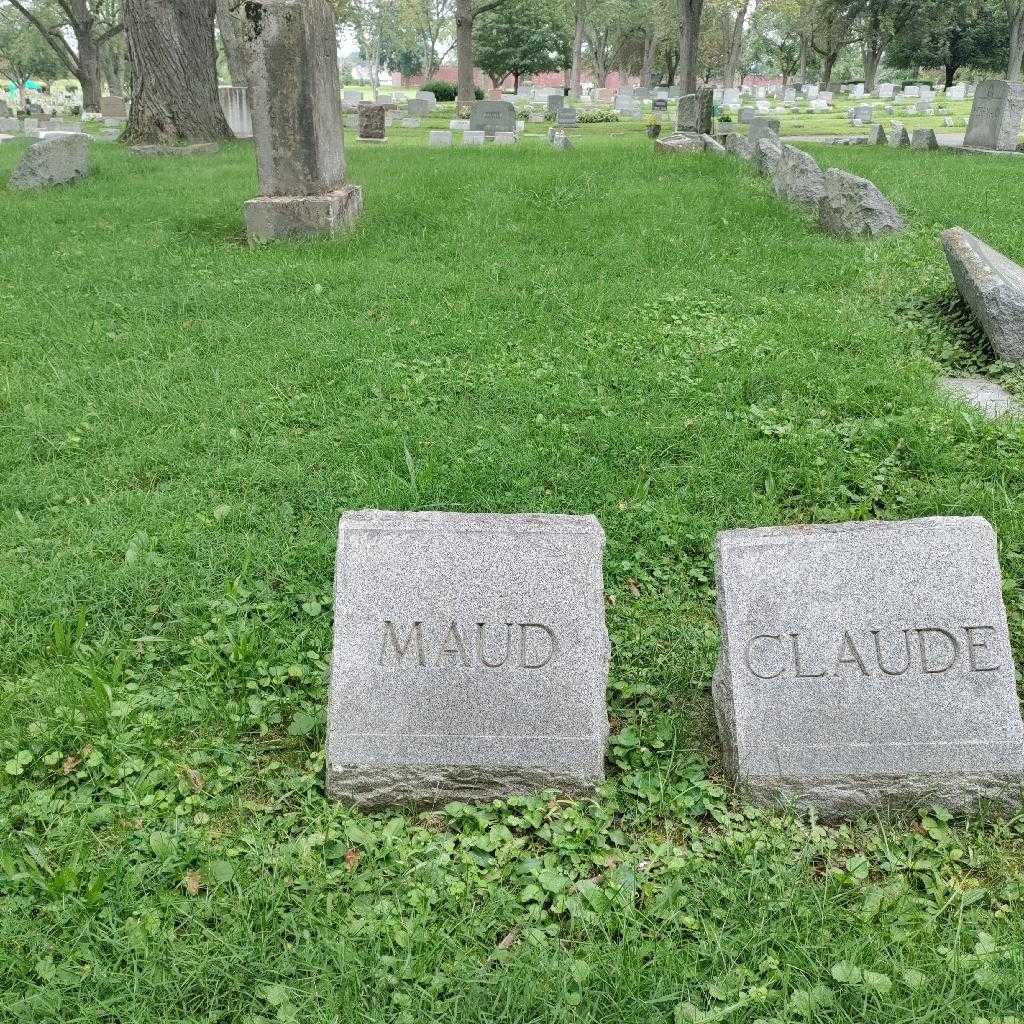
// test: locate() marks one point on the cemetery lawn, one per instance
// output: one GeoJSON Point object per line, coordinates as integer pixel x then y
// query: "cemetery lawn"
{"type": "Point", "coordinates": [654, 340]}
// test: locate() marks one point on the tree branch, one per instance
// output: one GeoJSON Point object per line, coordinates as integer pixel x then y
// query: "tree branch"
{"type": "Point", "coordinates": [54, 39]}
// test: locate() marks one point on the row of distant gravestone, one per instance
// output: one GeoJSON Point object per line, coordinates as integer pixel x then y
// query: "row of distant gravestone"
{"type": "Point", "coordinates": [861, 665]}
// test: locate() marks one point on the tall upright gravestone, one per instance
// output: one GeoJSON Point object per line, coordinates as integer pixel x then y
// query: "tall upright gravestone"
{"type": "Point", "coordinates": [295, 103]}
{"type": "Point", "coordinates": [996, 116]}
{"type": "Point", "coordinates": [470, 657]}
{"type": "Point", "coordinates": [696, 111]}
{"type": "Point", "coordinates": [867, 664]}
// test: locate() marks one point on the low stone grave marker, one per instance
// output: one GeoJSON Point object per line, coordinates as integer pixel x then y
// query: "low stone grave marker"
{"type": "Point", "coordinates": [440, 138]}
{"type": "Point", "coordinates": [992, 399]}
{"type": "Point", "coordinates": [372, 122]}
{"type": "Point", "coordinates": [866, 665]}
{"type": "Point", "coordinates": [993, 286]}
{"type": "Point", "coordinates": [489, 116]}
{"type": "Point", "coordinates": [505, 138]}
{"type": "Point", "coordinates": [924, 138]}
{"type": "Point", "coordinates": [473, 138]}
{"type": "Point", "coordinates": [854, 207]}
{"type": "Point", "coordinates": [696, 111]}
{"type": "Point", "coordinates": [55, 161]}
{"type": "Point", "coordinates": [470, 657]}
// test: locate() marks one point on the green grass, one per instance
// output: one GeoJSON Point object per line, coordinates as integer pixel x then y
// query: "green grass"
{"type": "Point", "coordinates": [653, 340]}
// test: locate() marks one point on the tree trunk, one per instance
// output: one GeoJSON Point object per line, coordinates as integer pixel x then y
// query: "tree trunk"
{"type": "Point", "coordinates": [577, 55]}
{"type": "Point", "coordinates": [173, 56]}
{"type": "Point", "coordinates": [229, 26]}
{"type": "Point", "coordinates": [1016, 12]}
{"type": "Point", "coordinates": [113, 67]}
{"type": "Point", "coordinates": [801, 73]}
{"type": "Point", "coordinates": [872, 49]}
{"type": "Point", "coordinates": [689, 39]}
{"type": "Point", "coordinates": [736, 45]}
{"type": "Point", "coordinates": [89, 72]}
{"type": "Point", "coordinates": [650, 49]}
{"type": "Point", "coordinates": [464, 48]}
{"type": "Point", "coordinates": [951, 70]}
{"type": "Point", "coordinates": [828, 62]}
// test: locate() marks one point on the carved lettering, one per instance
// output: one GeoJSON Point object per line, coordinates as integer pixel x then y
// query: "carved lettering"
{"type": "Point", "coordinates": [874, 653]}
{"type": "Point", "coordinates": [451, 644]}
{"type": "Point", "coordinates": [401, 650]}
{"type": "Point", "coordinates": [749, 651]}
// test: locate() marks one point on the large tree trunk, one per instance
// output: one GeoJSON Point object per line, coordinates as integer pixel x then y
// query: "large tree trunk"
{"type": "Point", "coordinates": [113, 60]}
{"type": "Point", "coordinates": [464, 48]}
{"type": "Point", "coordinates": [229, 25]}
{"type": "Point", "coordinates": [577, 54]}
{"type": "Point", "coordinates": [801, 73]}
{"type": "Point", "coordinates": [689, 39]}
{"type": "Point", "coordinates": [951, 70]}
{"type": "Point", "coordinates": [173, 56]}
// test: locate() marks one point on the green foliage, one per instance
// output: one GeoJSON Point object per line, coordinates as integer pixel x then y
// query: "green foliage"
{"type": "Point", "coordinates": [24, 53]}
{"type": "Point", "coordinates": [518, 38]}
{"type": "Point", "coordinates": [447, 92]}
{"type": "Point", "coordinates": [597, 116]}
{"type": "Point", "coordinates": [180, 446]}
{"type": "Point", "coordinates": [953, 34]}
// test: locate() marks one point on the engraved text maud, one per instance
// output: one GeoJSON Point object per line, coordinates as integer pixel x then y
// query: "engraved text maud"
{"type": "Point", "coordinates": [872, 653]}
{"type": "Point", "coordinates": [452, 644]}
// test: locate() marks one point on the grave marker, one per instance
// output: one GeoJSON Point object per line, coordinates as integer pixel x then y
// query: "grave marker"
{"type": "Point", "coordinates": [996, 116]}
{"type": "Point", "coordinates": [867, 664]}
{"type": "Point", "coordinates": [470, 657]}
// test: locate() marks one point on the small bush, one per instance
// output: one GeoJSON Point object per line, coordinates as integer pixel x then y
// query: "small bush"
{"type": "Point", "coordinates": [598, 116]}
{"type": "Point", "coordinates": [447, 92]}
{"type": "Point", "coordinates": [444, 92]}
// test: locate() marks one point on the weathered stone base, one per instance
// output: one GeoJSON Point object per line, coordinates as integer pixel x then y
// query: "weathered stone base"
{"type": "Point", "coordinates": [437, 785]}
{"type": "Point", "coordinates": [196, 149]}
{"type": "Point", "coordinates": [271, 217]}
{"type": "Point", "coordinates": [858, 794]}
{"type": "Point", "coordinates": [988, 152]}
{"type": "Point", "coordinates": [849, 797]}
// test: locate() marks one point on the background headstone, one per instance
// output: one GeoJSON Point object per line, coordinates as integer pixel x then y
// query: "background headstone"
{"type": "Point", "coordinates": [490, 116]}
{"type": "Point", "coordinates": [996, 116]}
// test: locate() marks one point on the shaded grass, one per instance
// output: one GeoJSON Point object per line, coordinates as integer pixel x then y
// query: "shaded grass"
{"type": "Point", "coordinates": [653, 340]}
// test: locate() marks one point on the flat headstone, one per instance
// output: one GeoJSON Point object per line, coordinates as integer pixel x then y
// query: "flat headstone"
{"type": "Point", "coordinates": [55, 161]}
{"type": "Point", "coordinates": [679, 142]}
{"type": "Point", "coordinates": [899, 138]}
{"type": "Point", "coordinates": [996, 116]}
{"type": "Point", "coordinates": [763, 127]}
{"type": "Point", "coordinates": [505, 138]}
{"type": "Point", "coordinates": [924, 138]}
{"type": "Point", "coordinates": [854, 207]}
{"type": "Point", "coordinates": [234, 101]}
{"type": "Point", "coordinates": [867, 664]}
{"type": "Point", "coordinates": [695, 111]}
{"type": "Point", "coordinates": [113, 106]}
{"type": "Point", "coordinates": [371, 122]}
{"type": "Point", "coordinates": [956, 92]}
{"type": "Point", "coordinates": [458, 124]}
{"type": "Point", "coordinates": [990, 398]}
{"type": "Point", "coordinates": [473, 138]}
{"type": "Point", "coordinates": [440, 138]}
{"type": "Point", "coordinates": [470, 657]}
{"type": "Point", "coordinates": [490, 116]}
{"type": "Point", "coordinates": [166, 149]}
{"type": "Point", "coordinates": [993, 286]}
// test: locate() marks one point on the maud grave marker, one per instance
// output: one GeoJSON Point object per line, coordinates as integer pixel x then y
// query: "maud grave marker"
{"type": "Point", "coordinates": [470, 657]}
{"type": "Point", "coordinates": [867, 664]}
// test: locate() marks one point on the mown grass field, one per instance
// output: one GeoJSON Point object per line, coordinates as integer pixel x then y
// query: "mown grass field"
{"type": "Point", "coordinates": [654, 340]}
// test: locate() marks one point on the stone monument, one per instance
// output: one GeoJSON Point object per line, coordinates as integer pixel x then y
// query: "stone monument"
{"type": "Point", "coordinates": [490, 116]}
{"type": "Point", "coordinates": [867, 664]}
{"type": "Point", "coordinates": [470, 657]}
{"type": "Point", "coordinates": [372, 121]}
{"type": "Point", "coordinates": [295, 102]}
{"type": "Point", "coordinates": [996, 116]}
